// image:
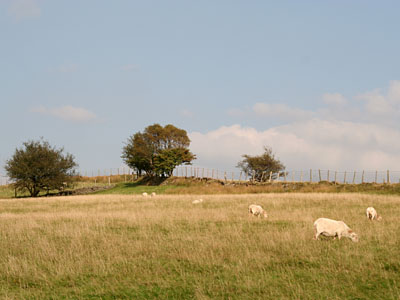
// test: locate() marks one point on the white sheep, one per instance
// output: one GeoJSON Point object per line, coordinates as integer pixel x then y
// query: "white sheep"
{"type": "Point", "coordinates": [328, 227]}
{"type": "Point", "coordinates": [197, 201]}
{"type": "Point", "coordinates": [257, 210]}
{"type": "Point", "coordinates": [145, 194]}
{"type": "Point", "coordinates": [153, 194]}
{"type": "Point", "coordinates": [372, 214]}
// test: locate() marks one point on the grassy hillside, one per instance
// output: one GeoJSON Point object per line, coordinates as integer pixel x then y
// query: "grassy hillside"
{"type": "Point", "coordinates": [164, 247]}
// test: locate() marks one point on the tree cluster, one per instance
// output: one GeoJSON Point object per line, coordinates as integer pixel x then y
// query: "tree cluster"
{"type": "Point", "coordinates": [259, 167]}
{"type": "Point", "coordinates": [37, 166]}
{"type": "Point", "coordinates": [157, 150]}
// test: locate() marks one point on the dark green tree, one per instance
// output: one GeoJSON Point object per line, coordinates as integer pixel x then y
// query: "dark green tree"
{"type": "Point", "coordinates": [259, 167]}
{"type": "Point", "coordinates": [158, 150]}
{"type": "Point", "coordinates": [37, 166]}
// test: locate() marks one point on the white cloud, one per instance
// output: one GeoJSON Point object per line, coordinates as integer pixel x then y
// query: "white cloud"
{"type": "Point", "coordinates": [281, 111]}
{"type": "Point", "coordinates": [186, 113]}
{"type": "Point", "coordinates": [312, 144]}
{"type": "Point", "coordinates": [68, 113]}
{"type": "Point", "coordinates": [23, 9]}
{"type": "Point", "coordinates": [129, 67]}
{"type": "Point", "coordinates": [334, 99]}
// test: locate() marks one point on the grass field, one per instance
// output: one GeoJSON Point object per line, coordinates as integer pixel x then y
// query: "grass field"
{"type": "Point", "coordinates": [131, 247]}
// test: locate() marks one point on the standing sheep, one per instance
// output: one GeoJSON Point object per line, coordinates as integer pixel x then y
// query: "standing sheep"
{"type": "Point", "coordinates": [328, 227]}
{"type": "Point", "coordinates": [145, 194]}
{"type": "Point", "coordinates": [372, 214]}
{"type": "Point", "coordinates": [257, 210]}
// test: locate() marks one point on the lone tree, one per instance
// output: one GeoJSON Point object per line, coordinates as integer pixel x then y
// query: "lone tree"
{"type": "Point", "coordinates": [37, 166]}
{"type": "Point", "coordinates": [157, 150]}
{"type": "Point", "coordinates": [259, 167]}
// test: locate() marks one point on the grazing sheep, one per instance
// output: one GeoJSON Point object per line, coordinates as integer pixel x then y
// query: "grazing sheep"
{"type": "Point", "coordinates": [153, 194]}
{"type": "Point", "coordinates": [328, 227]}
{"type": "Point", "coordinates": [145, 194]}
{"type": "Point", "coordinates": [372, 214]}
{"type": "Point", "coordinates": [197, 201]}
{"type": "Point", "coordinates": [257, 210]}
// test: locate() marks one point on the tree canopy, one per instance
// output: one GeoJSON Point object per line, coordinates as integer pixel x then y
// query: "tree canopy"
{"type": "Point", "coordinates": [259, 167]}
{"type": "Point", "coordinates": [157, 150]}
{"type": "Point", "coordinates": [37, 166]}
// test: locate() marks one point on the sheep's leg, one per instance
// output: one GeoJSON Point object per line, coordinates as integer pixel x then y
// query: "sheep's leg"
{"type": "Point", "coordinates": [316, 234]}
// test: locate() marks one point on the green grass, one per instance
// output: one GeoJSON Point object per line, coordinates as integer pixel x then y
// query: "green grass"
{"type": "Point", "coordinates": [164, 247]}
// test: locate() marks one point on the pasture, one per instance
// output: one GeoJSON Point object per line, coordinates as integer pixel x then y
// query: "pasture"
{"type": "Point", "coordinates": [164, 247]}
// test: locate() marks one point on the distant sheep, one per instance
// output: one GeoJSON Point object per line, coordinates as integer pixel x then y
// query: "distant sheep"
{"type": "Point", "coordinates": [153, 194]}
{"type": "Point", "coordinates": [372, 214]}
{"type": "Point", "coordinates": [328, 227]}
{"type": "Point", "coordinates": [257, 210]}
{"type": "Point", "coordinates": [145, 194]}
{"type": "Point", "coordinates": [197, 201]}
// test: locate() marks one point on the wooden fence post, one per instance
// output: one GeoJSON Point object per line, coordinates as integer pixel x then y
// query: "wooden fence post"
{"type": "Point", "coordinates": [270, 176]}
{"type": "Point", "coordinates": [335, 176]}
{"type": "Point", "coordinates": [319, 175]}
{"type": "Point", "coordinates": [310, 175]}
{"type": "Point", "coordinates": [376, 176]}
{"type": "Point", "coordinates": [344, 178]}
{"type": "Point", "coordinates": [240, 176]}
{"type": "Point", "coordinates": [388, 177]}
{"type": "Point", "coordinates": [285, 175]}
{"type": "Point", "coordinates": [362, 177]}
{"type": "Point", "coordinates": [354, 177]}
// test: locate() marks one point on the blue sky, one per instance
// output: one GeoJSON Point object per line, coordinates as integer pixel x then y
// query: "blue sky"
{"type": "Point", "coordinates": [318, 81]}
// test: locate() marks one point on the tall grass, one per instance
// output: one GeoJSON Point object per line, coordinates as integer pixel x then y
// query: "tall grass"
{"type": "Point", "coordinates": [131, 247]}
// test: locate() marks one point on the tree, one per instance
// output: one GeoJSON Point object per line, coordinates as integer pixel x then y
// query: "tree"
{"type": "Point", "coordinates": [37, 166]}
{"type": "Point", "coordinates": [158, 150]}
{"type": "Point", "coordinates": [259, 167]}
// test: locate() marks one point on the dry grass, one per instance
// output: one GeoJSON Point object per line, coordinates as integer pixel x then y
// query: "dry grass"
{"type": "Point", "coordinates": [130, 247]}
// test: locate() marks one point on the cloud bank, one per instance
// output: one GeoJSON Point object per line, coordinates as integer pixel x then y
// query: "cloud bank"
{"type": "Point", "coordinates": [347, 134]}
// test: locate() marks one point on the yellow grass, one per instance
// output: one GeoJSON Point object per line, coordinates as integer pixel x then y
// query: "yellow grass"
{"type": "Point", "coordinates": [131, 247]}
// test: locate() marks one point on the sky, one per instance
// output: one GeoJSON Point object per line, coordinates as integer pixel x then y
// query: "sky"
{"type": "Point", "coordinates": [316, 81]}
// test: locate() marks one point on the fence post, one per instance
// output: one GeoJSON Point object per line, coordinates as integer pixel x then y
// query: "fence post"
{"type": "Point", "coordinates": [335, 176]}
{"type": "Point", "coordinates": [212, 173]}
{"type": "Point", "coordinates": [232, 176]}
{"type": "Point", "coordinates": [270, 176]}
{"type": "Point", "coordinates": [225, 176]}
{"type": "Point", "coordinates": [376, 176]}
{"type": "Point", "coordinates": [388, 177]}
{"type": "Point", "coordinates": [185, 172]}
{"type": "Point", "coordinates": [254, 176]}
{"type": "Point", "coordinates": [328, 176]}
{"type": "Point", "coordinates": [301, 176]}
{"type": "Point", "coordinates": [354, 177]}
{"type": "Point", "coordinates": [362, 177]}
{"type": "Point", "coordinates": [310, 175]}
{"type": "Point", "coordinates": [344, 178]}
{"type": "Point", "coordinates": [240, 176]}
{"type": "Point", "coordinates": [284, 172]}
{"type": "Point", "coordinates": [319, 175]}
{"type": "Point", "coordinates": [202, 174]}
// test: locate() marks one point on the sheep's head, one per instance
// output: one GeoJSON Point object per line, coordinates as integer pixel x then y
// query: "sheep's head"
{"type": "Point", "coordinates": [354, 237]}
{"type": "Point", "coordinates": [379, 218]}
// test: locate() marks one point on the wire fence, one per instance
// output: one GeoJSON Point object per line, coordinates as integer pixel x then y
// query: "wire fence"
{"type": "Point", "coordinates": [114, 175]}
